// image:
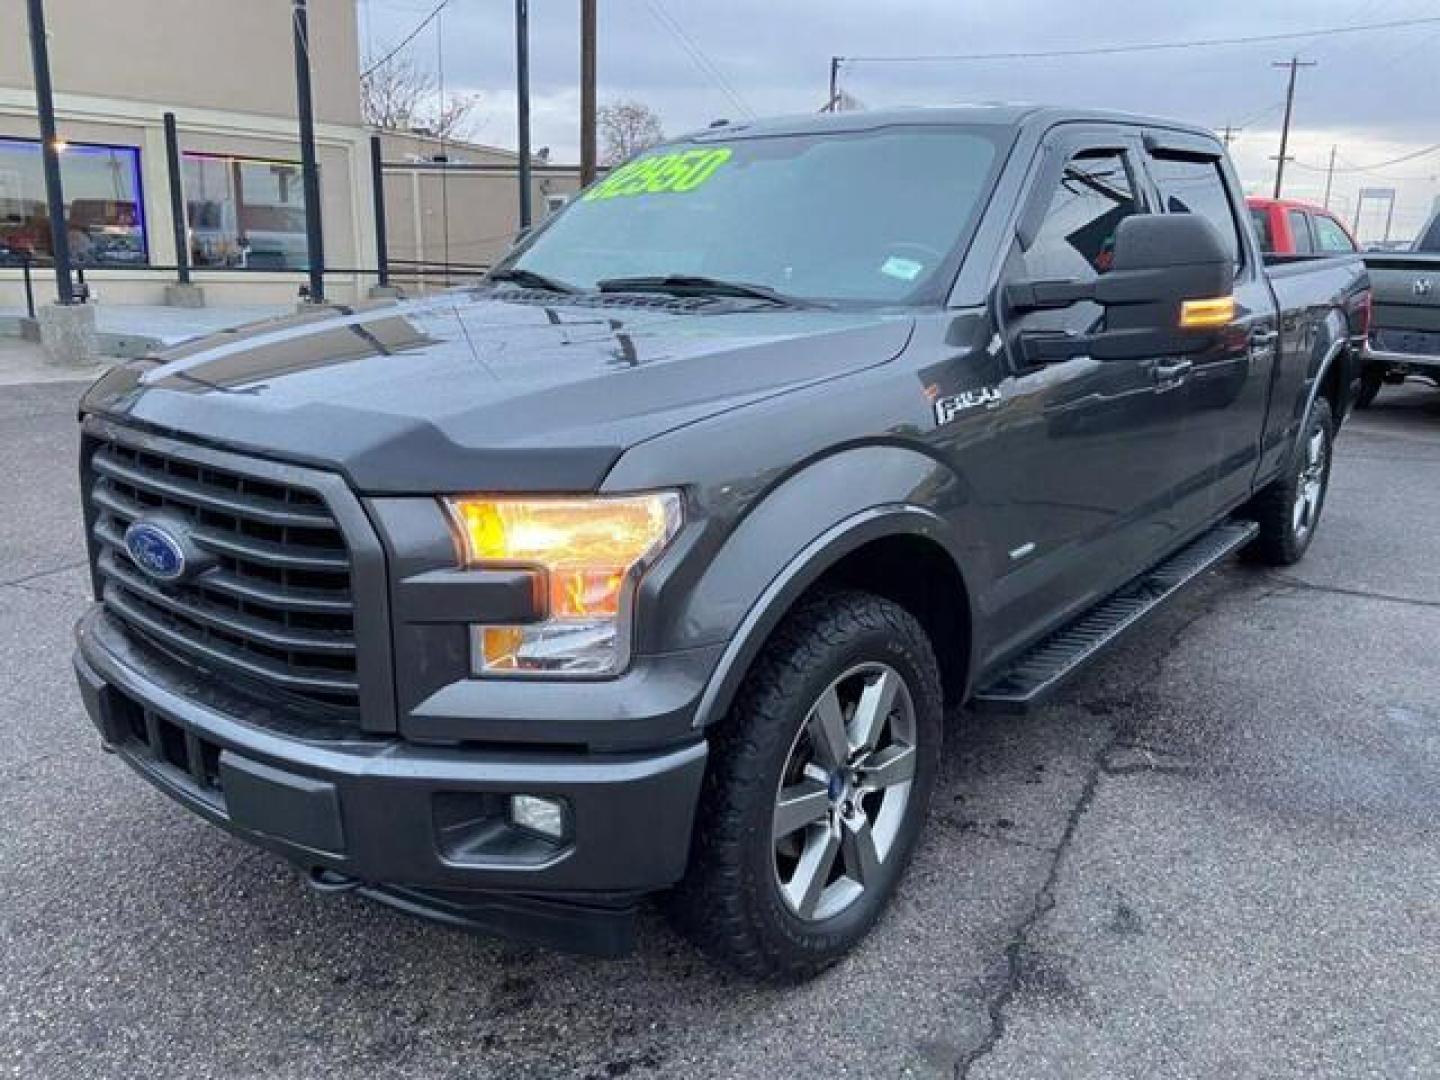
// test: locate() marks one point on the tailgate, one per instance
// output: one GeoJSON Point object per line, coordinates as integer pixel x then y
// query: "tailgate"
{"type": "Point", "coordinates": [1407, 291]}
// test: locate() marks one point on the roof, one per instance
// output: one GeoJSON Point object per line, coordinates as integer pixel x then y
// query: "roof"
{"type": "Point", "coordinates": [996, 115]}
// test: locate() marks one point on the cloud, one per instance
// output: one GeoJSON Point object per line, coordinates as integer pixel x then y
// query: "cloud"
{"type": "Point", "coordinates": [1373, 93]}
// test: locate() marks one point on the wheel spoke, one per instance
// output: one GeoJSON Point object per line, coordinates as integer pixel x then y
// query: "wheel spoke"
{"type": "Point", "coordinates": [873, 709]}
{"type": "Point", "coordinates": [886, 768]}
{"type": "Point", "coordinates": [1316, 451]}
{"type": "Point", "coordinates": [827, 729]}
{"type": "Point", "coordinates": [812, 872]}
{"type": "Point", "coordinates": [862, 861]}
{"type": "Point", "coordinates": [799, 805]}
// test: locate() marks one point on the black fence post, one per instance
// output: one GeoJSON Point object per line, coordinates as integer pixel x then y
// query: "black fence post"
{"type": "Point", "coordinates": [27, 260]}
{"type": "Point", "coordinates": [377, 182]}
{"type": "Point", "coordinates": [177, 202]}
{"type": "Point", "coordinates": [50, 152]}
{"type": "Point", "coordinates": [310, 169]}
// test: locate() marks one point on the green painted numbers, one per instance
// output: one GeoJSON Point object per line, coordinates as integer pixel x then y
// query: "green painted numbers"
{"type": "Point", "coordinates": [678, 173]}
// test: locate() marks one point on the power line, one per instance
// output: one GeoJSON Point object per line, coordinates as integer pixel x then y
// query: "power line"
{"type": "Point", "coordinates": [703, 63]}
{"type": "Point", "coordinates": [1151, 46]}
{"type": "Point", "coordinates": [1376, 165]}
{"type": "Point", "coordinates": [378, 64]}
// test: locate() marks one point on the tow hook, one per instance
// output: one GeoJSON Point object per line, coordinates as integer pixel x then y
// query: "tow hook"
{"type": "Point", "coordinates": [324, 880]}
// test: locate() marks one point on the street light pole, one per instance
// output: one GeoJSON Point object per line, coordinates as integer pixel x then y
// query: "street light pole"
{"type": "Point", "coordinates": [522, 88]}
{"type": "Point", "coordinates": [50, 153]}
{"type": "Point", "coordinates": [309, 168]}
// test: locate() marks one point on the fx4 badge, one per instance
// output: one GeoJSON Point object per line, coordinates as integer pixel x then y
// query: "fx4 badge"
{"type": "Point", "coordinates": [948, 408]}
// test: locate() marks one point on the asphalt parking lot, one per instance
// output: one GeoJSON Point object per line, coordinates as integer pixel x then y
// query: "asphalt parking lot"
{"type": "Point", "coordinates": [1217, 855]}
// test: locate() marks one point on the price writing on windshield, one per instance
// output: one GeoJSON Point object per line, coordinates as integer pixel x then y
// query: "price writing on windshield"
{"type": "Point", "coordinates": [679, 172]}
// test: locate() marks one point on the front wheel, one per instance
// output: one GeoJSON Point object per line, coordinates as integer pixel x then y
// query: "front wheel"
{"type": "Point", "coordinates": [817, 789]}
{"type": "Point", "coordinates": [1288, 510]}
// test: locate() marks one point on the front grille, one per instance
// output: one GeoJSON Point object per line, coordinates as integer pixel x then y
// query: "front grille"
{"type": "Point", "coordinates": [275, 607]}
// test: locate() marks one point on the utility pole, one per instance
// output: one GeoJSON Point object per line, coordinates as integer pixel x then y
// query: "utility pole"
{"type": "Point", "coordinates": [1294, 64]}
{"type": "Point", "coordinates": [1230, 133]}
{"type": "Point", "coordinates": [522, 89]}
{"type": "Point", "coordinates": [50, 153]}
{"type": "Point", "coordinates": [834, 84]}
{"type": "Point", "coordinates": [587, 92]}
{"type": "Point", "coordinates": [1330, 176]}
{"type": "Point", "coordinates": [309, 168]}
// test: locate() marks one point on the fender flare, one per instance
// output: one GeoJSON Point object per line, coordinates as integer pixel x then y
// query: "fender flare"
{"type": "Point", "coordinates": [801, 572]}
{"type": "Point", "coordinates": [1328, 359]}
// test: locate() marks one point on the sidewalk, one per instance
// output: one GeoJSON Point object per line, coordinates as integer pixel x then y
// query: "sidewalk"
{"type": "Point", "coordinates": [22, 361]}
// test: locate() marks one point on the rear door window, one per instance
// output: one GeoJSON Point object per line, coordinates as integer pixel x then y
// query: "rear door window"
{"type": "Point", "coordinates": [1329, 236]}
{"type": "Point", "coordinates": [1300, 231]}
{"type": "Point", "coordinates": [1196, 186]}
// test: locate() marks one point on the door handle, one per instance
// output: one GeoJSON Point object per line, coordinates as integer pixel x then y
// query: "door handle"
{"type": "Point", "coordinates": [1261, 336]}
{"type": "Point", "coordinates": [1171, 374]}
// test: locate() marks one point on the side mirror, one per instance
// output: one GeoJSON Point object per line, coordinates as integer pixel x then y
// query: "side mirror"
{"type": "Point", "coordinates": [1169, 289]}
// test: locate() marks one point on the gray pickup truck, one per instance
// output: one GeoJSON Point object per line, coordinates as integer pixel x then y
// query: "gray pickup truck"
{"type": "Point", "coordinates": [1405, 335]}
{"type": "Point", "coordinates": [653, 563]}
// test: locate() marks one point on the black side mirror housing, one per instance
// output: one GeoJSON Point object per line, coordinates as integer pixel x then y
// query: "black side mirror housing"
{"type": "Point", "coordinates": [1161, 262]}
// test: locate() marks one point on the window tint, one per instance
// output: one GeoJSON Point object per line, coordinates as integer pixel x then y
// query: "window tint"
{"type": "Point", "coordinates": [1300, 231]}
{"type": "Point", "coordinates": [1261, 217]}
{"type": "Point", "coordinates": [1188, 186]}
{"type": "Point", "coordinates": [1077, 237]}
{"type": "Point", "coordinates": [1329, 236]}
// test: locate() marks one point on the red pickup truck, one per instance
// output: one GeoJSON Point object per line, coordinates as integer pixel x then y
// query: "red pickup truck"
{"type": "Point", "coordinates": [1286, 227]}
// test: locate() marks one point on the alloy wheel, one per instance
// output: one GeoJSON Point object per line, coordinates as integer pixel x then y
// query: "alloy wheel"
{"type": "Point", "coordinates": [1310, 490]}
{"type": "Point", "coordinates": [844, 791]}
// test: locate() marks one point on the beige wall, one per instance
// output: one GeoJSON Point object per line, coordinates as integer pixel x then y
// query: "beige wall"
{"type": "Point", "coordinates": [483, 212]}
{"type": "Point", "coordinates": [234, 55]}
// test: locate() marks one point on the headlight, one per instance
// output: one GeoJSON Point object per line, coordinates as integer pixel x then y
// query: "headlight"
{"type": "Point", "coordinates": [589, 552]}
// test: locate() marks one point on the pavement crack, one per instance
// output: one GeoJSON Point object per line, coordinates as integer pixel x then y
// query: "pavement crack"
{"type": "Point", "coordinates": [24, 579]}
{"type": "Point", "coordinates": [1361, 594]}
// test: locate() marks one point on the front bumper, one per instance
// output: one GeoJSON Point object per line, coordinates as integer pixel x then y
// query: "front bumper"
{"type": "Point", "coordinates": [422, 827]}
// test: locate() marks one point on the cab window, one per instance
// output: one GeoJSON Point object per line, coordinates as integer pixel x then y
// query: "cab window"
{"type": "Point", "coordinates": [1329, 236]}
{"type": "Point", "coordinates": [1260, 216]}
{"type": "Point", "coordinates": [1077, 237]}
{"type": "Point", "coordinates": [1196, 186]}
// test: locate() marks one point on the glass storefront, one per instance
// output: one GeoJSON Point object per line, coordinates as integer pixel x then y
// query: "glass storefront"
{"type": "Point", "coordinates": [104, 214]}
{"type": "Point", "coordinates": [245, 213]}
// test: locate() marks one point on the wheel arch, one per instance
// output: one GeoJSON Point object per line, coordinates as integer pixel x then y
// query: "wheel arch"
{"type": "Point", "coordinates": [894, 550]}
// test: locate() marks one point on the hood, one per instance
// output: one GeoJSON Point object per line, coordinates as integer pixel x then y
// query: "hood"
{"type": "Point", "coordinates": [474, 392]}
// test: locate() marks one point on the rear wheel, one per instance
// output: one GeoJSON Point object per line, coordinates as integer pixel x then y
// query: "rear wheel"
{"type": "Point", "coordinates": [1288, 511]}
{"type": "Point", "coordinates": [1371, 379]}
{"type": "Point", "coordinates": [817, 788]}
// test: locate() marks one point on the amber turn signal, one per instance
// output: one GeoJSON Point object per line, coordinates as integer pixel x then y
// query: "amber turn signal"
{"type": "Point", "coordinates": [1207, 314]}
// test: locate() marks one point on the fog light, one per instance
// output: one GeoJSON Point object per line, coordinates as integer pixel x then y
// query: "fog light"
{"type": "Point", "coordinates": [539, 814]}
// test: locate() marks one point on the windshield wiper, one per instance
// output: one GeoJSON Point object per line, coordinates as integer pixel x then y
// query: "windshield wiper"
{"type": "Point", "coordinates": [696, 285]}
{"type": "Point", "coordinates": [530, 280]}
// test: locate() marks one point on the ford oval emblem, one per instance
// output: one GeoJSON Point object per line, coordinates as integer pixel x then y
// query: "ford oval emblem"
{"type": "Point", "coordinates": [155, 550]}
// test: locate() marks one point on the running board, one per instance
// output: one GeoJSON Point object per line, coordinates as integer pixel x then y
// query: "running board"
{"type": "Point", "coordinates": [1037, 673]}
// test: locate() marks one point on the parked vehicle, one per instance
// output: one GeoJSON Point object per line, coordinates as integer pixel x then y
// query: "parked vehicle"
{"type": "Point", "coordinates": [652, 563]}
{"type": "Point", "coordinates": [1286, 227]}
{"type": "Point", "coordinates": [1405, 339]}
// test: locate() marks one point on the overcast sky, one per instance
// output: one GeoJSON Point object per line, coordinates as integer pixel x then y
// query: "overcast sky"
{"type": "Point", "coordinates": [1376, 95]}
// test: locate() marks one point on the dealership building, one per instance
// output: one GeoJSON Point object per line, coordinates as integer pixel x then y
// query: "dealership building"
{"type": "Point", "coordinates": [227, 72]}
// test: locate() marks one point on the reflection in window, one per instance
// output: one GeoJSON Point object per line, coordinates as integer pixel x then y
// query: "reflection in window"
{"type": "Point", "coordinates": [245, 213]}
{"type": "Point", "coordinates": [1077, 237]}
{"type": "Point", "coordinates": [104, 219]}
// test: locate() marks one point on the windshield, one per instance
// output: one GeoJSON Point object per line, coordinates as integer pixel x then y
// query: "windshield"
{"type": "Point", "coordinates": [856, 216]}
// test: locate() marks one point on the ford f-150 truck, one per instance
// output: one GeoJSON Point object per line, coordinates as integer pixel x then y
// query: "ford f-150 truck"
{"type": "Point", "coordinates": [1405, 339]}
{"type": "Point", "coordinates": [652, 563]}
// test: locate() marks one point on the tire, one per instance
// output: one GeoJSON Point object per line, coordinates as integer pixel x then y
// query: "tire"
{"type": "Point", "coordinates": [1288, 510]}
{"type": "Point", "coordinates": [1371, 379]}
{"type": "Point", "coordinates": [840, 657]}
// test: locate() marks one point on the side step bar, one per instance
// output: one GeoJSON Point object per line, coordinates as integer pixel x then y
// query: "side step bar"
{"type": "Point", "coordinates": [1034, 675]}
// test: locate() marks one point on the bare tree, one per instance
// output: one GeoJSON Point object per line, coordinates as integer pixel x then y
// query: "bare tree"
{"type": "Point", "coordinates": [400, 95]}
{"type": "Point", "coordinates": [626, 128]}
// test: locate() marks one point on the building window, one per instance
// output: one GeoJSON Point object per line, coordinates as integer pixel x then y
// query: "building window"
{"type": "Point", "coordinates": [104, 215]}
{"type": "Point", "coordinates": [245, 213]}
